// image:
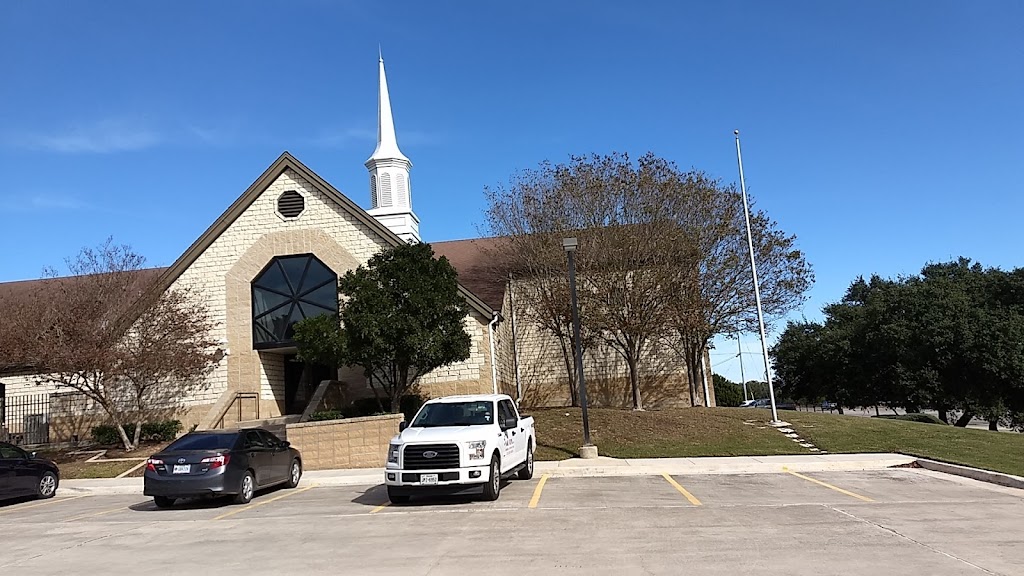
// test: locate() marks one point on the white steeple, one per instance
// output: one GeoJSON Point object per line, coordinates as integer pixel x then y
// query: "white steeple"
{"type": "Point", "coordinates": [390, 187]}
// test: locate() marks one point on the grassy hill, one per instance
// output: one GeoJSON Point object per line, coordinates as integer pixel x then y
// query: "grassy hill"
{"type": "Point", "coordinates": [743, 432]}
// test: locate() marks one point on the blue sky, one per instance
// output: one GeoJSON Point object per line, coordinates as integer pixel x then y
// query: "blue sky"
{"type": "Point", "coordinates": [883, 134]}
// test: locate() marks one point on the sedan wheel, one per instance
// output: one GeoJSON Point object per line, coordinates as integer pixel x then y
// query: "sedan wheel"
{"type": "Point", "coordinates": [245, 489]}
{"type": "Point", "coordinates": [47, 485]}
{"type": "Point", "coordinates": [294, 474]}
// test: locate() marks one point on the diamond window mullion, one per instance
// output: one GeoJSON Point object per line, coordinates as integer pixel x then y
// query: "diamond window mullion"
{"type": "Point", "coordinates": [290, 289]}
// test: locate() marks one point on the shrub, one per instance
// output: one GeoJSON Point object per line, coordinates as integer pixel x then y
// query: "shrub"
{"type": "Point", "coordinates": [163, 431]}
{"type": "Point", "coordinates": [923, 418]}
{"type": "Point", "coordinates": [408, 405]}
{"type": "Point", "coordinates": [326, 415]}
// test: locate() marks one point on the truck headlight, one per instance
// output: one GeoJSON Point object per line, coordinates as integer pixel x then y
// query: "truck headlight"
{"type": "Point", "coordinates": [393, 454]}
{"type": "Point", "coordinates": [476, 449]}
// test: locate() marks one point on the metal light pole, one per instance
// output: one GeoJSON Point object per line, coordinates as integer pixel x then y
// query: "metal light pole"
{"type": "Point", "coordinates": [743, 377]}
{"type": "Point", "coordinates": [757, 287]}
{"type": "Point", "coordinates": [569, 245]}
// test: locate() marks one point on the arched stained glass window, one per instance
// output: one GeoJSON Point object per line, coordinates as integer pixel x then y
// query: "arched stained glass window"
{"type": "Point", "coordinates": [290, 289]}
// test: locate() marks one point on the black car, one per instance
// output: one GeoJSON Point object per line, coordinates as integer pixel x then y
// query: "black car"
{"type": "Point", "coordinates": [221, 463]}
{"type": "Point", "coordinates": [23, 474]}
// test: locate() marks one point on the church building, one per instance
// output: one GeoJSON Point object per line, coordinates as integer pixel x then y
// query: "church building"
{"type": "Point", "coordinates": [274, 257]}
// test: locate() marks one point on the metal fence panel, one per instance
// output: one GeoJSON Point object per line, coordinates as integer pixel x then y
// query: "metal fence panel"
{"type": "Point", "coordinates": [26, 418]}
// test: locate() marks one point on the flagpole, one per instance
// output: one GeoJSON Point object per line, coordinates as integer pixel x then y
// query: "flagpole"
{"type": "Point", "coordinates": [757, 288]}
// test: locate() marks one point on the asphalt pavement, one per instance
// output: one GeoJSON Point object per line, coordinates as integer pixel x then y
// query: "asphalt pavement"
{"type": "Point", "coordinates": [892, 521]}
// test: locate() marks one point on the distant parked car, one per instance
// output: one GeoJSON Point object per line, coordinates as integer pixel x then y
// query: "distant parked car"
{"type": "Point", "coordinates": [24, 474]}
{"type": "Point", "coordinates": [221, 463]}
{"type": "Point", "coordinates": [748, 403]}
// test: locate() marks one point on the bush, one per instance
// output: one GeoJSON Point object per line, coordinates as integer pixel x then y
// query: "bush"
{"type": "Point", "coordinates": [326, 415]}
{"type": "Point", "coordinates": [409, 405]}
{"type": "Point", "coordinates": [163, 431]}
{"type": "Point", "coordinates": [923, 418]}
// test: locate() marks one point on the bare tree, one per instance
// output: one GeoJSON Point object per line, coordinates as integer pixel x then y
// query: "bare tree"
{"type": "Point", "coordinates": [107, 332]}
{"type": "Point", "coordinates": [713, 292]}
{"type": "Point", "coordinates": [167, 354]}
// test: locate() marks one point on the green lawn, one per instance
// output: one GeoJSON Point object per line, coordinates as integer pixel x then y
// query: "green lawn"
{"type": "Point", "coordinates": [999, 451]}
{"type": "Point", "coordinates": [659, 433]}
{"type": "Point", "coordinates": [744, 432]}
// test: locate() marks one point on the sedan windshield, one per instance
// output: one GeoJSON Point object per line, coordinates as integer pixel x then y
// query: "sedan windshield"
{"type": "Point", "coordinates": [455, 414]}
{"type": "Point", "coordinates": [203, 442]}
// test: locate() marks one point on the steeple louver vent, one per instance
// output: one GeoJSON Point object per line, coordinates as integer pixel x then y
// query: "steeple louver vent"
{"type": "Point", "coordinates": [290, 204]}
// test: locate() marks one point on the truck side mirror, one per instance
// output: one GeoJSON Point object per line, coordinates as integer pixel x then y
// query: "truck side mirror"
{"type": "Point", "coordinates": [509, 423]}
{"type": "Point", "coordinates": [402, 426]}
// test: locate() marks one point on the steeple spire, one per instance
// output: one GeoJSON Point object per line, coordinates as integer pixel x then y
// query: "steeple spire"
{"type": "Point", "coordinates": [390, 186]}
{"type": "Point", "coordinates": [387, 143]}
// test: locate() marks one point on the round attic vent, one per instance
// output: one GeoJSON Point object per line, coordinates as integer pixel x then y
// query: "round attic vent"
{"type": "Point", "coordinates": [291, 204]}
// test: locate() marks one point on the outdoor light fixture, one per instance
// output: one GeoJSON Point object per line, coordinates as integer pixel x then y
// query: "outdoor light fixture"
{"type": "Point", "coordinates": [570, 244]}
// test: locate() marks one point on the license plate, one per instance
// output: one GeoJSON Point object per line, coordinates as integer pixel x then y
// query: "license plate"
{"type": "Point", "coordinates": [428, 478]}
{"type": "Point", "coordinates": [182, 469]}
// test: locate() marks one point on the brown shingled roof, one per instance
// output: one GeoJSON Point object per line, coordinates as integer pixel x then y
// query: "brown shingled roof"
{"type": "Point", "coordinates": [475, 259]}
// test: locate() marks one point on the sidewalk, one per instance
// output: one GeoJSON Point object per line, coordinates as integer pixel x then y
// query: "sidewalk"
{"type": "Point", "coordinates": [575, 467]}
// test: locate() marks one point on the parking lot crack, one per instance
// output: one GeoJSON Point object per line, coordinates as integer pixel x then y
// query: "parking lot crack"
{"type": "Point", "coordinates": [76, 545]}
{"type": "Point", "coordinates": [903, 536]}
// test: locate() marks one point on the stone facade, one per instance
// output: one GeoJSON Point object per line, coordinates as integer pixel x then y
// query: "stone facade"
{"type": "Point", "coordinates": [348, 443]}
{"type": "Point", "coordinates": [536, 358]}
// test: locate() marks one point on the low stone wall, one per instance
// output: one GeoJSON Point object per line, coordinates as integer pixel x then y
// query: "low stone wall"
{"type": "Point", "coordinates": [348, 443]}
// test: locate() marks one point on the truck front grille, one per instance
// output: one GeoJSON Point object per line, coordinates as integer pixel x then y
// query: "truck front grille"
{"type": "Point", "coordinates": [443, 456]}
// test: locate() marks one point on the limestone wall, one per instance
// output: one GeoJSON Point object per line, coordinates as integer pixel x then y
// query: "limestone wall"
{"type": "Point", "coordinates": [349, 443]}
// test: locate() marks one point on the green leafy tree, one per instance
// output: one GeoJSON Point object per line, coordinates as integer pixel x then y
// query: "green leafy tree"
{"type": "Point", "coordinates": [401, 317]}
{"type": "Point", "coordinates": [727, 392]}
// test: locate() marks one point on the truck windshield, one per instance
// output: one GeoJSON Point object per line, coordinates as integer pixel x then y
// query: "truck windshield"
{"type": "Point", "coordinates": [455, 414]}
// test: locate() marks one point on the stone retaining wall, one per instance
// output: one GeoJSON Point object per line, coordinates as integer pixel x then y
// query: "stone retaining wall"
{"type": "Point", "coordinates": [347, 443]}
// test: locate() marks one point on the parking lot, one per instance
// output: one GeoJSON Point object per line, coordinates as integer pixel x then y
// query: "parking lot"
{"type": "Point", "coordinates": [896, 521]}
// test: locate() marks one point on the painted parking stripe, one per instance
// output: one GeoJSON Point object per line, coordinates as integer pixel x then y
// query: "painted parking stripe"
{"type": "Point", "coordinates": [693, 499]}
{"type": "Point", "coordinates": [43, 503]}
{"type": "Point", "coordinates": [538, 490]}
{"type": "Point", "coordinates": [827, 485]}
{"type": "Point", "coordinates": [379, 508]}
{"type": "Point", "coordinates": [97, 514]}
{"type": "Point", "coordinates": [264, 502]}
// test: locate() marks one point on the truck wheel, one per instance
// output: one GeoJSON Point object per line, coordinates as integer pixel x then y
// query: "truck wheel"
{"type": "Point", "coordinates": [526, 472]}
{"type": "Point", "coordinates": [493, 486]}
{"type": "Point", "coordinates": [397, 498]}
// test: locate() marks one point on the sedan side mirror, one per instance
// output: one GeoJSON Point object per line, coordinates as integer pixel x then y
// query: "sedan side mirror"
{"type": "Point", "coordinates": [32, 456]}
{"type": "Point", "coordinates": [402, 426]}
{"type": "Point", "coordinates": [285, 444]}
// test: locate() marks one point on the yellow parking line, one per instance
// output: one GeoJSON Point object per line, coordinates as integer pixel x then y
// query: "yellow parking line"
{"type": "Point", "coordinates": [693, 499]}
{"type": "Point", "coordinates": [96, 514]}
{"type": "Point", "coordinates": [827, 485]}
{"type": "Point", "coordinates": [537, 491]}
{"type": "Point", "coordinates": [44, 503]}
{"type": "Point", "coordinates": [379, 508]}
{"type": "Point", "coordinates": [263, 502]}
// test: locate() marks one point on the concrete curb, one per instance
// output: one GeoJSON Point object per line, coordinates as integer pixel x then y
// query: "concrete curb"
{"type": "Point", "coordinates": [998, 478]}
{"type": "Point", "coordinates": [608, 467]}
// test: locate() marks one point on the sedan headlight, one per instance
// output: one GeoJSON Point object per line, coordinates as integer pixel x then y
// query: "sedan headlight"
{"type": "Point", "coordinates": [393, 454]}
{"type": "Point", "coordinates": [476, 449]}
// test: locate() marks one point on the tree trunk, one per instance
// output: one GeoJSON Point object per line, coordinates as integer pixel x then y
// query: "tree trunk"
{"type": "Point", "coordinates": [839, 407]}
{"type": "Point", "coordinates": [964, 420]}
{"type": "Point", "coordinates": [993, 425]}
{"type": "Point", "coordinates": [569, 357]}
{"type": "Point", "coordinates": [138, 433]}
{"type": "Point", "coordinates": [693, 372]}
{"type": "Point", "coordinates": [128, 446]}
{"type": "Point", "coordinates": [634, 381]}
{"type": "Point", "coordinates": [943, 415]}
{"type": "Point", "coordinates": [876, 410]}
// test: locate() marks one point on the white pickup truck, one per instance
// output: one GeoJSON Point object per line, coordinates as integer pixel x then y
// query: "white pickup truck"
{"type": "Point", "coordinates": [459, 445]}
